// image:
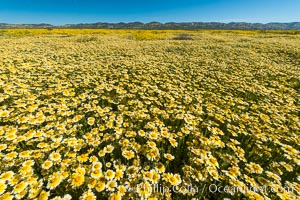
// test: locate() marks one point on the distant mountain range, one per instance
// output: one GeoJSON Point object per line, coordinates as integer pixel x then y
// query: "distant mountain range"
{"type": "Point", "coordinates": [167, 26]}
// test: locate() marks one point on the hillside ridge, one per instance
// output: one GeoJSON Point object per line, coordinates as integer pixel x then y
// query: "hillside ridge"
{"type": "Point", "coordinates": [167, 26]}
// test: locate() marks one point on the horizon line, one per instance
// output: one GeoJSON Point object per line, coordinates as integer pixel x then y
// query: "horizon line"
{"type": "Point", "coordinates": [221, 22]}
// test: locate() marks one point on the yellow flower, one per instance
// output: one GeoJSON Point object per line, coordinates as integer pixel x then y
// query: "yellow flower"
{"type": "Point", "coordinates": [213, 172]}
{"type": "Point", "coordinates": [97, 165]}
{"type": "Point", "coordinates": [108, 164]}
{"type": "Point", "coordinates": [254, 195]}
{"type": "Point", "coordinates": [25, 154]}
{"type": "Point", "coordinates": [7, 196]}
{"type": "Point", "coordinates": [2, 187]}
{"type": "Point", "coordinates": [153, 154]}
{"type": "Point", "coordinates": [89, 195]}
{"type": "Point", "coordinates": [91, 121]}
{"type": "Point", "coordinates": [144, 189]}
{"type": "Point", "coordinates": [233, 172]}
{"type": "Point", "coordinates": [121, 167]}
{"type": "Point", "coordinates": [32, 108]}
{"type": "Point", "coordinates": [100, 186]}
{"type": "Point", "coordinates": [153, 135]}
{"type": "Point", "coordinates": [20, 187]}
{"type": "Point", "coordinates": [115, 196]}
{"type": "Point", "coordinates": [96, 173]}
{"type": "Point", "coordinates": [47, 164]}
{"type": "Point", "coordinates": [44, 195]}
{"type": "Point", "coordinates": [118, 174]}
{"type": "Point", "coordinates": [160, 168]}
{"type": "Point", "coordinates": [251, 181]}
{"type": "Point", "coordinates": [80, 170]}
{"type": "Point", "coordinates": [14, 180]}
{"type": "Point", "coordinates": [21, 194]}
{"type": "Point", "coordinates": [102, 128]}
{"type": "Point", "coordinates": [26, 170]}
{"type": "Point", "coordinates": [155, 177]}
{"type": "Point", "coordinates": [67, 197]}
{"type": "Point", "coordinates": [12, 131]}
{"type": "Point", "coordinates": [212, 161]}
{"type": "Point", "coordinates": [152, 198]}
{"type": "Point", "coordinates": [173, 142]}
{"type": "Point", "coordinates": [92, 183]}
{"type": "Point", "coordinates": [10, 137]}
{"type": "Point", "coordinates": [6, 176]}
{"type": "Point", "coordinates": [93, 159]}
{"type": "Point", "coordinates": [28, 163]}
{"type": "Point", "coordinates": [238, 184]}
{"type": "Point", "coordinates": [263, 181]}
{"type": "Point", "coordinates": [110, 124]}
{"type": "Point", "coordinates": [64, 174]}
{"type": "Point", "coordinates": [66, 92]}
{"type": "Point", "coordinates": [108, 148]}
{"type": "Point", "coordinates": [83, 158]}
{"type": "Point", "coordinates": [147, 175]}
{"type": "Point", "coordinates": [3, 147]}
{"type": "Point", "coordinates": [141, 133]}
{"type": "Point", "coordinates": [54, 180]}
{"type": "Point", "coordinates": [101, 153]}
{"type": "Point", "coordinates": [109, 174]}
{"type": "Point", "coordinates": [22, 119]}
{"type": "Point", "coordinates": [288, 167]}
{"type": "Point", "coordinates": [169, 156]}
{"type": "Point", "coordinates": [274, 176]}
{"type": "Point", "coordinates": [111, 185]}
{"type": "Point", "coordinates": [254, 168]}
{"type": "Point", "coordinates": [122, 190]}
{"type": "Point", "coordinates": [4, 113]}
{"type": "Point", "coordinates": [264, 117]}
{"type": "Point", "coordinates": [33, 193]}
{"type": "Point", "coordinates": [151, 144]}
{"type": "Point", "coordinates": [130, 134]}
{"type": "Point", "coordinates": [165, 134]}
{"type": "Point", "coordinates": [11, 155]}
{"type": "Point", "coordinates": [77, 179]}
{"type": "Point", "coordinates": [174, 179]}
{"type": "Point", "coordinates": [216, 131]}
{"type": "Point", "coordinates": [128, 154]}
{"type": "Point", "coordinates": [43, 145]}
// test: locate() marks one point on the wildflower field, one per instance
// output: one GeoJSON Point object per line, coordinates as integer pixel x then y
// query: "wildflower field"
{"type": "Point", "coordinates": [102, 114]}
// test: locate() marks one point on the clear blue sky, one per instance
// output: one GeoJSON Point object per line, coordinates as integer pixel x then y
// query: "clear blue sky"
{"type": "Point", "coordinates": [59, 12]}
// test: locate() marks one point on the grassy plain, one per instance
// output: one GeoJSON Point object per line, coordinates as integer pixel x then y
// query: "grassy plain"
{"type": "Point", "coordinates": [117, 113]}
